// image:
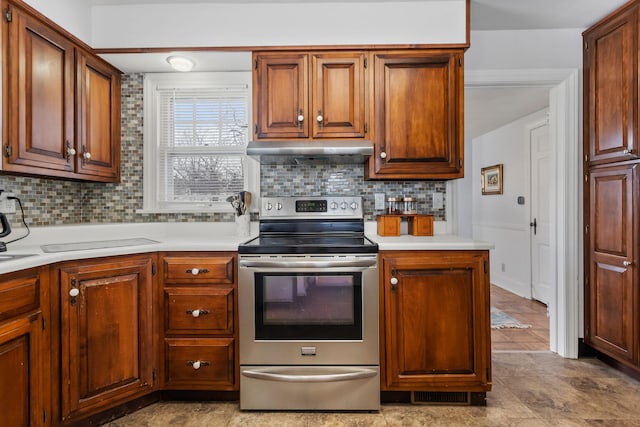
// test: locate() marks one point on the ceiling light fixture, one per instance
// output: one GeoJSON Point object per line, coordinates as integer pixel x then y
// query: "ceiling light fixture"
{"type": "Point", "coordinates": [180, 63]}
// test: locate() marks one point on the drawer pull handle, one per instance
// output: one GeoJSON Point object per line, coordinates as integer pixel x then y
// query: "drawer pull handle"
{"type": "Point", "coordinates": [197, 364]}
{"type": "Point", "coordinates": [196, 271]}
{"type": "Point", "coordinates": [198, 312]}
{"type": "Point", "coordinates": [627, 263]}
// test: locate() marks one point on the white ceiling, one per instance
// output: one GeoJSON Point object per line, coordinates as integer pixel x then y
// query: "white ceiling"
{"type": "Point", "coordinates": [485, 108]}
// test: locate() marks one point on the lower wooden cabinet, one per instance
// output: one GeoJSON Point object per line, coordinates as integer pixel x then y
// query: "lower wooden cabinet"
{"type": "Point", "coordinates": [198, 314]}
{"type": "Point", "coordinates": [24, 355]}
{"type": "Point", "coordinates": [435, 325]}
{"type": "Point", "coordinates": [106, 333]}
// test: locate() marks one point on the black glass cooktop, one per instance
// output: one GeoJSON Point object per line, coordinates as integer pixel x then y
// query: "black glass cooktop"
{"type": "Point", "coordinates": [298, 244]}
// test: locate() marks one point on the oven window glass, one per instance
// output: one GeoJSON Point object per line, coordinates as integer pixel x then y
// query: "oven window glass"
{"type": "Point", "coordinates": [309, 306]}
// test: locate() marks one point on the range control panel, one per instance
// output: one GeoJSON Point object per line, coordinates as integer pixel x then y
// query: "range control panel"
{"type": "Point", "coordinates": [311, 207]}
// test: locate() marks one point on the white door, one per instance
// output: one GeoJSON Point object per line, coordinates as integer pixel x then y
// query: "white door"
{"type": "Point", "coordinates": [542, 260]}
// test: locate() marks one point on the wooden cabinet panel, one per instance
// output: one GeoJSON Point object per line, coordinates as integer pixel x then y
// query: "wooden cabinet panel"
{"type": "Point", "coordinates": [612, 297]}
{"type": "Point", "coordinates": [219, 269]}
{"type": "Point", "coordinates": [107, 333]}
{"type": "Point", "coordinates": [281, 95]}
{"type": "Point", "coordinates": [199, 310]}
{"type": "Point", "coordinates": [98, 118]}
{"type": "Point", "coordinates": [39, 106]}
{"type": "Point", "coordinates": [436, 330]}
{"type": "Point", "coordinates": [200, 362]}
{"type": "Point", "coordinates": [19, 295]}
{"type": "Point", "coordinates": [611, 89]}
{"type": "Point", "coordinates": [338, 89]}
{"type": "Point", "coordinates": [418, 115]}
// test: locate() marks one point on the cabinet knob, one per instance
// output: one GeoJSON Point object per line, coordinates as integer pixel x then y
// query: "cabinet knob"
{"type": "Point", "coordinates": [394, 281]}
{"type": "Point", "coordinates": [626, 151]}
{"type": "Point", "coordinates": [627, 263]}
{"type": "Point", "coordinates": [74, 292]}
{"type": "Point", "coordinates": [86, 155]}
{"type": "Point", "coordinates": [319, 118]}
{"type": "Point", "coordinates": [197, 364]}
{"type": "Point", "coordinates": [195, 271]}
{"type": "Point", "coordinates": [300, 118]}
{"type": "Point", "coordinates": [198, 312]}
{"type": "Point", "coordinates": [383, 155]}
{"type": "Point", "coordinates": [71, 151]}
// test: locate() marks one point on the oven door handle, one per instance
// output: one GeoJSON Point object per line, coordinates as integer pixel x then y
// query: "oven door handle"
{"type": "Point", "coordinates": [356, 374]}
{"type": "Point", "coordinates": [364, 263]}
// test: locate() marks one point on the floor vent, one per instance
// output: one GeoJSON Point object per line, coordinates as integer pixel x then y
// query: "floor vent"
{"type": "Point", "coordinates": [440, 398]}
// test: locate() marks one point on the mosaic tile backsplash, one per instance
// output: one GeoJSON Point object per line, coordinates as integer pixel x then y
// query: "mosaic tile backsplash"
{"type": "Point", "coordinates": [56, 202]}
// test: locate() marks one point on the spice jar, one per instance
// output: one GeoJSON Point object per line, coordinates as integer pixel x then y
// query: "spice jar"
{"type": "Point", "coordinates": [394, 205]}
{"type": "Point", "coordinates": [409, 205]}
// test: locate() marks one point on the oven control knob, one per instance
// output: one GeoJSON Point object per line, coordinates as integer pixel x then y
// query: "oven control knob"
{"type": "Point", "coordinates": [334, 205]}
{"type": "Point", "coordinates": [279, 206]}
{"type": "Point", "coordinates": [343, 205]}
{"type": "Point", "coordinates": [269, 206]}
{"type": "Point", "coordinates": [353, 205]}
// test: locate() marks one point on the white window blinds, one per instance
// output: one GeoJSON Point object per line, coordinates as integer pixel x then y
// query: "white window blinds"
{"type": "Point", "coordinates": [199, 146]}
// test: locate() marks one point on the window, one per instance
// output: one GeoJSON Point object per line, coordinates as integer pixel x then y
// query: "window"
{"type": "Point", "coordinates": [195, 136]}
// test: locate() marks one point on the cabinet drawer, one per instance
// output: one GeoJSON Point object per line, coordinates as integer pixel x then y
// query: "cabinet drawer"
{"type": "Point", "coordinates": [204, 269]}
{"type": "Point", "coordinates": [19, 294]}
{"type": "Point", "coordinates": [215, 358]}
{"type": "Point", "coordinates": [199, 310]}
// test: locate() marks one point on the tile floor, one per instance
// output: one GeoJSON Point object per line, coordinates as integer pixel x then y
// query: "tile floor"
{"type": "Point", "coordinates": [531, 387]}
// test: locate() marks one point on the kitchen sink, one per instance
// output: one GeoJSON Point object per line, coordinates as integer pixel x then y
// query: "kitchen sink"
{"type": "Point", "coordinates": [11, 257]}
{"type": "Point", "coordinates": [98, 244]}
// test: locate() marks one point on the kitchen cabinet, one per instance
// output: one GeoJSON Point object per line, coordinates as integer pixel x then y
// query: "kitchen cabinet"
{"type": "Point", "coordinates": [611, 188]}
{"type": "Point", "coordinates": [23, 349]}
{"type": "Point", "coordinates": [435, 330]}
{"type": "Point", "coordinates": [199, 318]}
{"type": "Point", "coordinates": [612, 305]}
{"type": "Point", "coordinates": [611, 88]}
{"type": "Point", "coordinates": [106, 333]}
{"type": "Point", "coordinates": [61, 103]}
{"type": "Point", "coordinates": [299, 95]}
{"type": "Point", "coordinates": [418, 115]}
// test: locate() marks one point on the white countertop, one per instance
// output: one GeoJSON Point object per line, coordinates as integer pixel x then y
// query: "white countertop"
{"type": "Point", "coordinates": [180, 236]}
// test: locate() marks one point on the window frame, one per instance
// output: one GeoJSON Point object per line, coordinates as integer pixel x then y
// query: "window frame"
{"type": "Point", "coordinates": [151, 130]}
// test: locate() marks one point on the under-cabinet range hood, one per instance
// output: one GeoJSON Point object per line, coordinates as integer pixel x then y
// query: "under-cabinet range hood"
{"type": "Point", "coordinates": [310, 151]}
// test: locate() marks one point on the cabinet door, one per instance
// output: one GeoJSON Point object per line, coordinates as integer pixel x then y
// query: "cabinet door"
{"type": "Point", "coordinates": [21, 392]}
{"type": "Point", "coordinates": [436, 321]}
{"type": "Point", "coordinates": [98, 119]}
{"type": "Point", "coordinates": [418, 104]}
{"type": "Point", "coordinates": [611, 86]}
{"type": "Point", "coordinates": [39, 105]}
{"type": "Point", "coordinates": [281, 95]}
{"type": "Point", "coordinates": [106, 333]}
{"type": "Point", "coordinates": [612, 295]}
{"type": "Point", "coordinates": [338, 101]}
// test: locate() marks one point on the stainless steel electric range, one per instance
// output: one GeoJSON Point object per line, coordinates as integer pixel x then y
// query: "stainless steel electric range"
{"type": "Point", "coordinates": [308, 308]}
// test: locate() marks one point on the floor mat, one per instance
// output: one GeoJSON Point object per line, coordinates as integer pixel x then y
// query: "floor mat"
{"type": "Point", "coordinates": [501, 320]}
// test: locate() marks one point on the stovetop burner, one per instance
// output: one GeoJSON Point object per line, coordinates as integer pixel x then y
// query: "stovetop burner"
{"type": "Point", "coordinates": [305, 225]}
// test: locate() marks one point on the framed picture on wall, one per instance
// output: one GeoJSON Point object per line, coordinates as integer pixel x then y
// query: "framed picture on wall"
{"type": "Point", "coordinates": [492, 179]}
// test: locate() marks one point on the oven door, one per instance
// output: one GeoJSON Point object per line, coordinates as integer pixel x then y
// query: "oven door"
{"type": "Point", "coordinates": [304, 309]}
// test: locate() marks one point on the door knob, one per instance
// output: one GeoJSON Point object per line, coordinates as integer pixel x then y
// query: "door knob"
{"type": "Point", "coordinates": [534, 224]}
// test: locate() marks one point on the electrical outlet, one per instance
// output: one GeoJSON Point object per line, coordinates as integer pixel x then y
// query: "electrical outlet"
{"type": "Point", "coordinates": [437, 200]}
{"type": "Point", "coordinates": [379, 205]}
{"type": "Point", "coordinates": [7, 206]}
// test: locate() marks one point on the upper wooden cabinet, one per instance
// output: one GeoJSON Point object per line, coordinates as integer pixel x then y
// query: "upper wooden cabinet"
{"type": "Point", "coordinates": [310, 95]}
{"type": "Point", "coordinates": [611, 89]}
{"type": "Point", "coordinates": [418, 115]}
{"type": "Point", "coordinates": [61, 104]}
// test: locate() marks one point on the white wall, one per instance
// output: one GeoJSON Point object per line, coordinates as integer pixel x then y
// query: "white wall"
{"type": "Point", "coordinates": [499, 218]}
{"type": "Point", "coordinates": [278, 23]}
{"type": "Point", "coordinates": [72, 15]}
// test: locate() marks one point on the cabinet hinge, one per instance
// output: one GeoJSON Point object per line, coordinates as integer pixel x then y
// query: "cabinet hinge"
{"type": "Point", "coordinates": [366, 128]}
{"type": "Point", "coordinates": [586, 158]}
{"type": "Point", "coordinates": [460, 62]}
{"type": "Point", "coordinates": [488, 373]}
{"type": "Point", "coordinates": [460, 163]}
{"type": "Point", "coordinates": [153, 268]}
{"type": "Point", "coordinates": [586, 46]}
{"type": "Point", "coordinates": [8, 15]}
{"type": "Point", "coordinates": [44, 416]}
{"type": "Point", "coordinates": [154, 374]}
{"type": "Point", "coordinates": [366, 63]}
{"type": "Point", "coordinates": [7, 150]}
{"type": "Point", "coordinates": [255, 129]}
{"type": "Point", "coordinates": [586, 229]}
{"type": "Point", "coordinates": [485, 266]}
{"type": "Point", "coordinates": [255, 64]}
{"type": "Point", "coordinates": [44, 324]}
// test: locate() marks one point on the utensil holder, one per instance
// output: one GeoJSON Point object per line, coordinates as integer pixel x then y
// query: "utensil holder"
{"type": "Point", "coordinates": [243, 225]}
